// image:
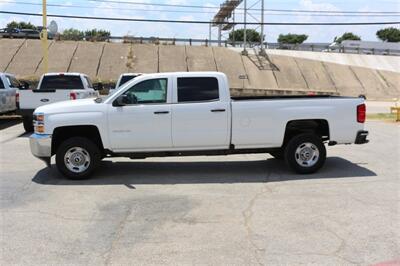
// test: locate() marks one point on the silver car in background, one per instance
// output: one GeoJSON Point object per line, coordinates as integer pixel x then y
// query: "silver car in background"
{"type": "Point", "coordinates": [9, 86]}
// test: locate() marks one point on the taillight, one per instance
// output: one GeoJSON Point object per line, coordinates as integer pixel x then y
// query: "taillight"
{"type": "Point", "coordinates": [361, 113]}
{"type": "Point", "coordinates": [72, 96]}
{"type": "Point", "coordinates": [17, 99]}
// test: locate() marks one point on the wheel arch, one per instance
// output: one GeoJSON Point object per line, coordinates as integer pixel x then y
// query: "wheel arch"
{"type": "Point", "coordinates": [62, 133]}
{"type": "Point", "coordinates": [319, 127]}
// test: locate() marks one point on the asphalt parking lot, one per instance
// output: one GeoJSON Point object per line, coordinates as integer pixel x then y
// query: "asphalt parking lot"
{"type": "Point", "coordinates": [236, 210]}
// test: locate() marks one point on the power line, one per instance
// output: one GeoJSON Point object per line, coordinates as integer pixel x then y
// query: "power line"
{"type": "Point", "coordinates": [197, 11]}
{"type": "Point", "coordinates": [203, 22]}
{"type": "Point", "coordinates": [212, 7]}
{"type": "Point", "coordinates": [216, 8]}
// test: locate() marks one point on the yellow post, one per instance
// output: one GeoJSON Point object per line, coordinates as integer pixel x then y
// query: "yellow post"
{"type": "Point", "coordinates": [43, 37]}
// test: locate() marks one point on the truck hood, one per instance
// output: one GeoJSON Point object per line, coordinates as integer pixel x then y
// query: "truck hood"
{"type": "Point", "coordinates": [82, 105]}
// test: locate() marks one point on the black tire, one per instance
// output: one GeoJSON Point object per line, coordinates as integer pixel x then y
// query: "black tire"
{"type": "Point", "coordinates": [87, 147]}
{"type": "Point", "coordinates": [302, 142]}
{"type": "Point", "coordinates": [27, 121]}
{"type": "Point", "coordinates": [278, 154]}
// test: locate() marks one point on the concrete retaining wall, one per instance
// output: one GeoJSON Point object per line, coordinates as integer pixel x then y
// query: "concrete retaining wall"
{"type": "Point", "coordinates": [60, 55]}
{"type": "Point", "coordinates": [288, 74]}
{"type": "Point", "coordinates": [9, 49]}
{"type": "Point", "coordinates": [113, 61]}
{"type": "Point", "coordinates": [348, 75]}
{"type": "Point", "coordinates": [199, 58]}
{"type": "Point", "coordinates": [27, 60]}
{"type": "Point", "coordinates": [172, 58]}
{"type": "Point", "coordinates": [86, 58]}
{"type": "Point", "coordinates": [230, 63]}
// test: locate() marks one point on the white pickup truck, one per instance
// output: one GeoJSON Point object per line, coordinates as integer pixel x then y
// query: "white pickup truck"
{"type": "Point", "coordinates": [8, 90]}
{"type": "Point", "coordinates": [54, 87]}
{"type": "Point", "coordinates": [178, 114]}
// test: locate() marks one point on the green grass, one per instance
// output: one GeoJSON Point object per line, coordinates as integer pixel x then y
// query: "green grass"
{"type": "Point", "coordinates": [381, 116]}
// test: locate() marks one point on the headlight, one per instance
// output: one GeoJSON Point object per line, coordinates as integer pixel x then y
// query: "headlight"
{"type": "Point", "coordinates": [40, 117]}
{"type": "Point", "coordinates": [38, 123]}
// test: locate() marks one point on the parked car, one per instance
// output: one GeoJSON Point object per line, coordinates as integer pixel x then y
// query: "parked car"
{"type": "Point", "coordinates": [124, 78]}
{"type": "Point", "coordinates": [19, 33]}
{"type": "Point", "coordinates": [9, 86]}
{"type": "Point", "coordinates": [192, 113]}
{"type": "Point", "coordinates": [54, 87]}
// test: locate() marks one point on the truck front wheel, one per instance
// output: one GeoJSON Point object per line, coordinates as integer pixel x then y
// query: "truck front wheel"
{"type": "Point", "coordinates": [305, 153]}
{"type": "Point", "coordinates": [28, 123]}
{"type": "Point", "coordinates": [77, 158]}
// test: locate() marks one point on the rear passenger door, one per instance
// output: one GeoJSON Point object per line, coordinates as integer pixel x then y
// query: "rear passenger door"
{"type": "Point", "coordinates": [200, 120]}
{"type": "Point", "coordinates": [11, 92]}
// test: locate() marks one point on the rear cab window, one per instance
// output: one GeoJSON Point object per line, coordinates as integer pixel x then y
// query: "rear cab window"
{"type": "Point", "coordinates": [12, 81]}
{"type": "Point", "coordinates": [198, 89]}
{"type": "Point", "coordinates": [61, 82]}
{"type": "Point", "coordinates": [88, 82]}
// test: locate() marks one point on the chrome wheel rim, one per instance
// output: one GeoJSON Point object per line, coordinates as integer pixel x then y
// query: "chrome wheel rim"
{"type": "Point", "coordinates": [77, 159]}
{"type": "Point", "coordinates": [307, 154]}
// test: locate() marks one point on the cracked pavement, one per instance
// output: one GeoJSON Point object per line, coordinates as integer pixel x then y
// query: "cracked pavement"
{"type": "Point", "coordinates": [236, 210]}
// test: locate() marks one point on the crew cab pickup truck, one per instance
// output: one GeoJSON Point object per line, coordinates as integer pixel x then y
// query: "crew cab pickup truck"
{"type": "Point", "coordinates": [178, 114]}
{"type": "Point", "coordinates": [8, 90]}
{"type": "Point", "coordinates": [54, 87]}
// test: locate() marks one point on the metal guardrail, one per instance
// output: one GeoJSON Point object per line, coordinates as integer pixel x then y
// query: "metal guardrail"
{"type": "Point", "coordinates": [315, 47]}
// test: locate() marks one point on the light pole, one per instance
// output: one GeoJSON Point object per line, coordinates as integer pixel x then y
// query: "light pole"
{"type": "Point", "coordinates": [43, 37]}
{"type": "Point", "coordinates": [244, 52]}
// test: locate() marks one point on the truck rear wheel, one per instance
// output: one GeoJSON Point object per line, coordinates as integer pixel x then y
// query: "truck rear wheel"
{"type": "Point", "coordinates": [77, 158]}
{"type": "Point", "coordinates": [305, 153]}
{"type": "Point", "coordinates": [27, 121]}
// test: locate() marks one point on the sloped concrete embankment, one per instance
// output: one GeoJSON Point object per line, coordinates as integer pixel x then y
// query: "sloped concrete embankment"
{"type": "Point", "coordinates": [278, 72]}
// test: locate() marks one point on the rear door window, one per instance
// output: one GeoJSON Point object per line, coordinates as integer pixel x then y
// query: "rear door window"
{"type": "Point", "coordinates": [61, 83]}
{"type": "Point", "coordinates": [197, 89]}
{"type": "Point", "coordinates": [1, 84]}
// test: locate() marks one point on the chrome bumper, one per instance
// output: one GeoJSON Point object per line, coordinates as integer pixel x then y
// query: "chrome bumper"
{"type": "Point", "coordinates": [41, 146]}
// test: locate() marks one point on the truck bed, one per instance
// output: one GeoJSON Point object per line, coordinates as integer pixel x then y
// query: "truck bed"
{"type": "Point", "coordinates": [272, 97]}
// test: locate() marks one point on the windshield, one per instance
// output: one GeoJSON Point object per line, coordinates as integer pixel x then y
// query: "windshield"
{"type": "Point", "coordinates": [61, 83]}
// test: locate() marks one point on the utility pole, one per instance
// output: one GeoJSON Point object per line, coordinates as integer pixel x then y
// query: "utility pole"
{"type": "Point", "coordinates": [262, 50]}
{"type": "Point", "coordinates": [233, 29]}
{"type": "Point", "coordinates": [244, 52]}
{"type": "Point", "coordinates": [43, 37]}
{"type": "Point", "coordinates": [219, 34]}
{"type": "Point", "coordinates": [209, 35]}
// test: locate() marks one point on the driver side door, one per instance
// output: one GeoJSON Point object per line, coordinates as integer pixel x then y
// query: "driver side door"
{"type": "Point", "coordinates": [144, 122]}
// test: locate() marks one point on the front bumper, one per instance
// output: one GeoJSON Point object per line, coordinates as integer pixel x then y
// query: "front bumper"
{"type": "Point", "coordinates": [361, 137]}
{"type": "Point", "coordinates": [41, 146]}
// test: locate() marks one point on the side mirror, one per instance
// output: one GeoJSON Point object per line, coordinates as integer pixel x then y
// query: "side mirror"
{"type": "Point", "coordinates": [122, 100]}
{"type": "Point", "coordinates": [98, 86]}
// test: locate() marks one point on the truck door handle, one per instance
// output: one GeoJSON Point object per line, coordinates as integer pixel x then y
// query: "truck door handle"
{"type": "Point", "coordinates": [161, 112]}
{"type": "Point", "coordinates": [218, 110]}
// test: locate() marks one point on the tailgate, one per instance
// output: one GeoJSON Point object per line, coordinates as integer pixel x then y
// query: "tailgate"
{"type": "Point", "coordinates": [31, 99]}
